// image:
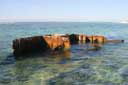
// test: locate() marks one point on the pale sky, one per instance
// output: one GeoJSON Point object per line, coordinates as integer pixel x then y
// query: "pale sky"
{"type": "Point", "coordinates": [63, 10]}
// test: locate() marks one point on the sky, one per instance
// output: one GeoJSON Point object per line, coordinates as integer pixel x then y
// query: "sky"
{"type": "Point", "coordinates": [63, 10]}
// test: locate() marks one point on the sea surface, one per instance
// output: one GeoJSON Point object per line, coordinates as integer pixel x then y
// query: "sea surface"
{"type": "Point", "coordinates": [78, 66]}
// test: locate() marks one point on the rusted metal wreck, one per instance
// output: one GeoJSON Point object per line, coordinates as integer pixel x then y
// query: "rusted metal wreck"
{"type": "Point", "coordinates": [55, 42]}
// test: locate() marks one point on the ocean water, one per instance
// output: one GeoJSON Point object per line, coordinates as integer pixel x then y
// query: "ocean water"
{"type": "Point", "coordinates": [78, 66]}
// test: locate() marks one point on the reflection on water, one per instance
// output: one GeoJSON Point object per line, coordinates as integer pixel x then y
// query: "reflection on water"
{"type": "Point", "coordinates": [76, 66]}
{"type": "Point", "coordinates": [82, 65]}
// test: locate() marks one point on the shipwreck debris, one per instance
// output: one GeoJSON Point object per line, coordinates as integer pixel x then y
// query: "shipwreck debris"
{"type": "Point", "coordinates": [56, 42]}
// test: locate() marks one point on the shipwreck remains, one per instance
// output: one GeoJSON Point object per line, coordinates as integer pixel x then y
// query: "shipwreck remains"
{"type": "Point", "coordinates": [55, 42]}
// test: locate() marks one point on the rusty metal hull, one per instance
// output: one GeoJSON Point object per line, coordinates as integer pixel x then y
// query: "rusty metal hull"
{"type": "Point", "coordinates": [55, 42]}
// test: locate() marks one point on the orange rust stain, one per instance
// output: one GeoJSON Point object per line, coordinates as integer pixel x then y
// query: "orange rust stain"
{"type": "Point", "coordinates": [57, 41]}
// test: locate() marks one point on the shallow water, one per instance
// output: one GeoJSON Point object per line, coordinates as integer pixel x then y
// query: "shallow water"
{"type": "Point", "coordinates": [107, 66]}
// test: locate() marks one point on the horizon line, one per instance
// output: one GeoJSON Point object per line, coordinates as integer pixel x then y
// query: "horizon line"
{"type": "Point", "coordinates": [44, 20]}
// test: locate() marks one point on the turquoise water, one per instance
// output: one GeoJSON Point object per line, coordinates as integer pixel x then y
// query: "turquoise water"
{"type": "Point", "coordinates": [107, 66]}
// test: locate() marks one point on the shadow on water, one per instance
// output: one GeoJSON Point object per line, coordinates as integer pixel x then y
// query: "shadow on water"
{"type": "Point", "coordinates": [82, 66]}
{"type": "Point", "coordinates": [19, 70]}
{"type": "Point", "coordinates": [9, 60]}
{"type": "Point", "coordinates": [49, 65]}
{"type": "Point", "coordinates": [60, 56]}
{"type": "Point", "coordinates": [109, 70]}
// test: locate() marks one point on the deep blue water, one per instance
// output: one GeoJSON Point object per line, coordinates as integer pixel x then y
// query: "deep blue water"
{"type": "Point", "coordinates": [107, 66]}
